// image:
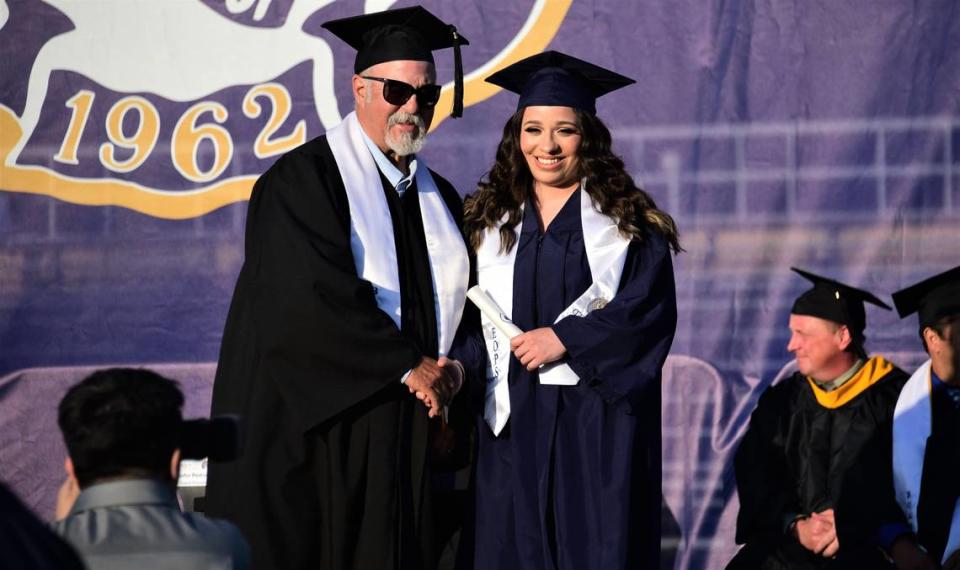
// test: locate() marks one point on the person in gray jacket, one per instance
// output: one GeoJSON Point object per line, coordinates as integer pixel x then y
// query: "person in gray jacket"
{"type": "Point", "coordinates": [118, 507]}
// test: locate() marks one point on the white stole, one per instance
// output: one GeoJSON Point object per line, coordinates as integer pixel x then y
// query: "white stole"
{"type": "Point", "coordinates": [912, 423]}
{"type": "Point", "coordinates": [371, 233]}
{"type": "Point", "coordinates": [606, 253]}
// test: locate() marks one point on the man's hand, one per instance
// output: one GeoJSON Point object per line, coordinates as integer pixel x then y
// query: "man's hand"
{"type": "Point", "coordinates": [907, 555]}
{"type": "Point", "coordinates": [831, 550]}
{"type": "Point", "coordinates": [818, 533]}
{"type": "Point", "coordinates": [827, 517]}
{"type": "Point", "coordinates": [66, 497]}
{"type": "Point", "coordinates": [430, 384]}
{"type": "Point", "coordinates": [537, 347]}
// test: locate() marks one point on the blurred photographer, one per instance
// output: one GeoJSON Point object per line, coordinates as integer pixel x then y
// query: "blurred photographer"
{"type": "Point", "coordinates": [118, 507]}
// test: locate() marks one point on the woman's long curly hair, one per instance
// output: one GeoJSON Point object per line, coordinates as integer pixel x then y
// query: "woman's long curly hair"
{"type": "Point", "coordinates": [509, 184]}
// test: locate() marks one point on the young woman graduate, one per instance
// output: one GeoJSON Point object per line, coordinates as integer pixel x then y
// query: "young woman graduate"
{"type": "Point", "coordinates": [568, 471]}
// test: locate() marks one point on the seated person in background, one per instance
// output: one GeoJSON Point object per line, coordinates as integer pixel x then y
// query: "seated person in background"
{"type": "Point", "coordinates": [118, 507]}
{"type": "Point", "coordinates": [813, 470]}
{"type": "Point", "coordinates": [25, 542]}
{"type": "Point", "coordinates": [926, 431]}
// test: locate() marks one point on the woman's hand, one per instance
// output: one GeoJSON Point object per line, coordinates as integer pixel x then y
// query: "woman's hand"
{"type": "Point", "coordinates": [537, 347]}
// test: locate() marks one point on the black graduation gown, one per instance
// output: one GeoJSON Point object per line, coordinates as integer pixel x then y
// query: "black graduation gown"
{"type": "Point", "coordinates": [938, 486]}
{"type": "Point", "coordinates": [333, 472]}
{"type": "Point", "coordinates": [799, 457]}
{"type": "Point", "coordinates": [573, 481]}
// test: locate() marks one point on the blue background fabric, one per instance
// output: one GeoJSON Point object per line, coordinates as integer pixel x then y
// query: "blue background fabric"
{"type": "Point", "coordinates": [819, 134]}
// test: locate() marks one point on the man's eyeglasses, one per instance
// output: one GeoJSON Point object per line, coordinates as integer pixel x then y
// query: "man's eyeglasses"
{"type": "Point", "coordinates": [398, 93]}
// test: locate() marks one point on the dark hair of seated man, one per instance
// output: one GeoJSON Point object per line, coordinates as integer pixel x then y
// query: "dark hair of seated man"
{"type": "Point", "coordinates": [121, 423]}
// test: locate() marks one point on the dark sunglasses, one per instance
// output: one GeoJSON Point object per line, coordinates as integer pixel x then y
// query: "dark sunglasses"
{"type": "Point", "coordinates": [398, 93]}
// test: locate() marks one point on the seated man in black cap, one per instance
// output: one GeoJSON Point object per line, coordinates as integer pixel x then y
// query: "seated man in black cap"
{"type": "Point", "coordinates": [123, 431]}
{"type": "Point", "coordinates": [813, 470]}
{"type": "Point", "coordinates": [350, 295]}
{"type": "Point", "coordinates": [926, 431]}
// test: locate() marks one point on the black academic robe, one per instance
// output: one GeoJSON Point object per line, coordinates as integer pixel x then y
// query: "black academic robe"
{"type": "Point", "coordinates": [573, 480]}
{"type": "Point", "coordinates": [333, 473]}
{"type": "Point", "coordinates": [938, 485]}
{"type": "Point", "coordinates": [799, 457]}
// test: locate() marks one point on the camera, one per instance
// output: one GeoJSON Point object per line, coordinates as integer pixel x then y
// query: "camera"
{"type": "Point", "coordinates": [219, 438]}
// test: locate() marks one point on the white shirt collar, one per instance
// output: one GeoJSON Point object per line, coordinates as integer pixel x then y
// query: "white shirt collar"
{"type": "Point", "coordinates": [393, 174]}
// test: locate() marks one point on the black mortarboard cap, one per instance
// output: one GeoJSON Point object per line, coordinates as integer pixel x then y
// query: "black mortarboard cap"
{"type": "Point", "coordinates": [933, 298]}
{"type": "Point", "coordinates": [834, 301]}
{"type": "Point", "coordinates": [556, 79]}
{"type": "Point", "coordinates": [405, 33]}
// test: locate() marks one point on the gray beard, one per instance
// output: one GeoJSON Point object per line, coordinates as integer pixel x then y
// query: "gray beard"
{"type": "Point", "coordinates": [406, 144]}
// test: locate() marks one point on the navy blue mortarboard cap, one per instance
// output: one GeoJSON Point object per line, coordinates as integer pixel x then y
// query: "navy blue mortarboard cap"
{"type": "Point", "coordinates": [402, 34]}
{"type": "Point", "coordinates": [834, 301]}
{"type": "Point", "coordinates": [556, 79]}
{"type": "Point", "coordinates": [933, 298]}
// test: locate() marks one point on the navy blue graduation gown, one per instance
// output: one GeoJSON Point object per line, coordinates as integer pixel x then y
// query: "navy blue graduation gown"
{"type": "Point", "coordinates": [573, 481]}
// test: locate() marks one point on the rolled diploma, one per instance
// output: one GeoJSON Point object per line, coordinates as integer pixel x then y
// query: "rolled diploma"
{"type": "Point", "coordinates": [492, 311]}
{"type": "Point", "coordinates": [555, 373]}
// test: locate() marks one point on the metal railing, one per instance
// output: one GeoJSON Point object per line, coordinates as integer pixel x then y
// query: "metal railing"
{"type": "Point", "coordinates": [667, 172]}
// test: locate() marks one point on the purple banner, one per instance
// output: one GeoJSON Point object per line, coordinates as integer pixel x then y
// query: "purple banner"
{"type": "Point", "coordinates": [818, 134]}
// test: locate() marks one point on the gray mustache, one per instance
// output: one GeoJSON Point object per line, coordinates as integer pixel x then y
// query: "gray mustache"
{"type": "Point", "coordinates": [402, 117]}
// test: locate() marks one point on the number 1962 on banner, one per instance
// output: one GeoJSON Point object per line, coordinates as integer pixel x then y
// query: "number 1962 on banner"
{"type": "Point", "coordinates": [187, 134]}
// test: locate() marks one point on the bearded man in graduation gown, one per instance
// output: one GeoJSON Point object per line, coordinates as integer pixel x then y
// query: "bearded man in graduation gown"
{"type": "Point", "coordinates": [926, 431]}
{"type": "Point", "coordinates": [813, 470]}
{"type": "Point", "coordinates": [351, 291]}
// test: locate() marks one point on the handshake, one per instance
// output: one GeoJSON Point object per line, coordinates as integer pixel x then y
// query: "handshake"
{"type": "Point", "coordinates": [435, 382]}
